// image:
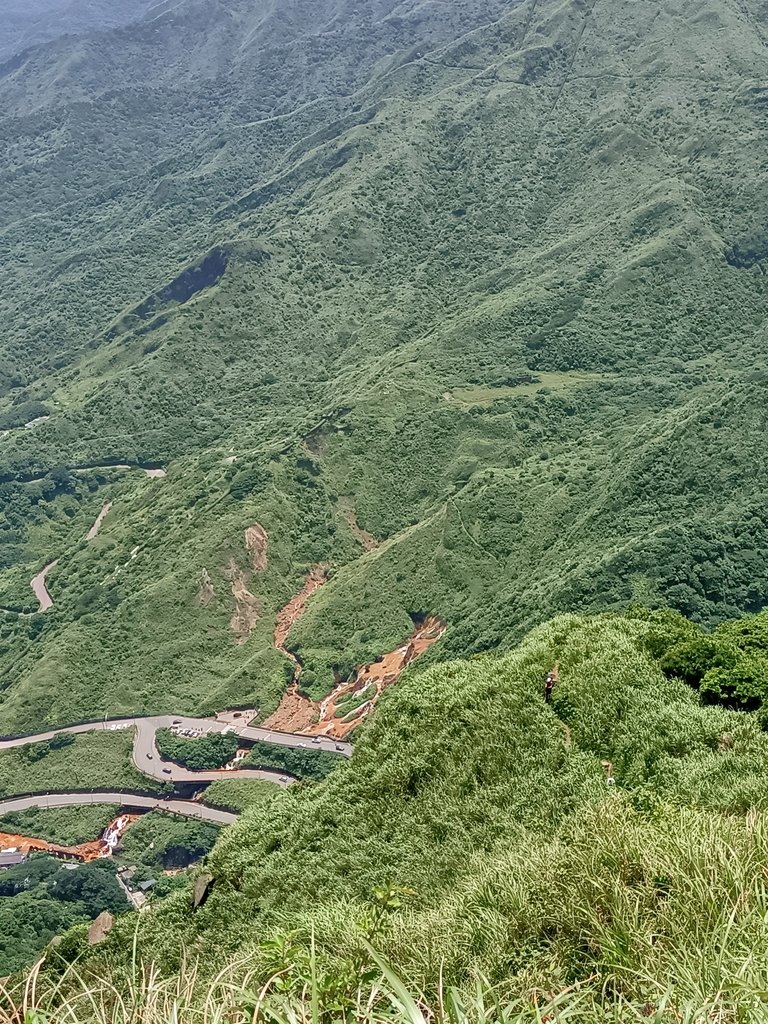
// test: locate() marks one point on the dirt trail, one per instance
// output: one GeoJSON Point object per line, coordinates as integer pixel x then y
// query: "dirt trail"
{"type": "Point", "coordinates": [154, 473]}
{"type": "Point", "coordinates": [256, 541]}
{"type": "Point", "coordinates": [40, 589]}
{"type": "Point", "coordinates": [367, 541]}
{"type": "Point", "coordinates": [248, 607]}
{"type": "Point", "coordinates": [351, 701]}
{"type": "Point", "coordinates": [102, 847]}
{"type": "Point", "coordinates": [206, 592]}
{"type": "Point", "coordinates": [99, 520]}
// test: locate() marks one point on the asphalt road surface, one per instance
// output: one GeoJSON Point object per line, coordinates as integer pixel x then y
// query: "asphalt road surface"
{"type": "Point", "coordinates": [188, 808]}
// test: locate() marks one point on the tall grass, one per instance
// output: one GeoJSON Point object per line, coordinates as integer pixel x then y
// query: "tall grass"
{"type": "Point", "coordinates": [235, 997]}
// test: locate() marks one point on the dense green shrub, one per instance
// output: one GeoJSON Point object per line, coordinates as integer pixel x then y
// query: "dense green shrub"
{"type": "Point", "coordinates": [302, 762]}
{"type": "Point", "coordinates": [743, 685]}
{"type": "Point", "coordinates": [40, 899]}
{"type": "Point", "coordinates": [201, 754]}
{"type": "Point", "coordinates": [163, 842]}
{"type": "Point", "coordinates": [248, 482]}
{"type": "Point", "coordinates": [692, 659]}
{"type": "Point", "coordinates": [729, 666]}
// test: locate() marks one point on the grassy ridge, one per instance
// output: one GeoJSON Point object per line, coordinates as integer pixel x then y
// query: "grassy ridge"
{"type": "Point", "coordinates": [477, 826]}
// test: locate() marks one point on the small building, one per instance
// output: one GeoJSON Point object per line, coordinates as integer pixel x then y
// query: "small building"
{"type": "Point", "coordinates": [146, 886]}
{"type": "Point", "coordinates": [11, 858]}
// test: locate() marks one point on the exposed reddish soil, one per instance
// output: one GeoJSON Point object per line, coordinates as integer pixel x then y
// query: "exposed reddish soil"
{"type": "Point", "coordinates": [248, 607]}
{"type": "Point", "coordinates": [256, 546]}
{"type": "Point", "coordinates": [295, 713]}
{"type": "Point", "coordinates": [299, 714]}
{"type": "Point", "coordinates": [294, 610]}
{"type": "Point", "coordinates": [84, 852]}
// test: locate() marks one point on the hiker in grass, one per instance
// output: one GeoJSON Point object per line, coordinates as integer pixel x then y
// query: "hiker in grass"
{"type": "Point", "coordinates": [552, 677]}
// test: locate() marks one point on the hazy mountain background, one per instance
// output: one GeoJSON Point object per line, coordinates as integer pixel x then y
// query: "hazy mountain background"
{"type": "Point", "coordinates": [26, 23]}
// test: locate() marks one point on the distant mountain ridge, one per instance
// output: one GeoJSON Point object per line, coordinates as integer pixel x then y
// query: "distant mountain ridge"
{"type": "Point", "coordinates": [27, 23]}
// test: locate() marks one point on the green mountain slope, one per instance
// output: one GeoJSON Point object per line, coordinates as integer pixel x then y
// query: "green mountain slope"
{"type": "Point", "coordinates": [602, 840]}
{"type": "Point", "coordinates": [488, 275]}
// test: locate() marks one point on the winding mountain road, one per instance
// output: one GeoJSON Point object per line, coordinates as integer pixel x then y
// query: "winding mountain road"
{"type": "Point", "coordinates": [148, 760]}
{"type": "Point", "coordinates": [187, 808]}
{"type": "Point", "coordinates": [38, 585]}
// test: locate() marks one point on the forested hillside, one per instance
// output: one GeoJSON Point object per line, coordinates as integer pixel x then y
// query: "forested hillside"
{"type": "Point", "coordinates": [472, 293]}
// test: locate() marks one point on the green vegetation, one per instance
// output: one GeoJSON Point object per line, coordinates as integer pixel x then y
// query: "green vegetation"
{"type": "Point", "coordinates": [162, 842]}
{"type": "Point", "coordinates": [27, 22]}
{"type": "Point", "coordinates": [304, 763]}
{"type": "Point", "coordinates": [239, 794]}
{"type": "Point", "coordinates": [67, 826]}
{"type": "Point", "coordinates": [200, 754]}
{"type": "Point", "coordinates": [729, 666]}
{"type": "Point", "coordinates": [474, 295]}
{"type": "Point", "coordinates": [42, 898]}
{"type": "Point", "coordinates": [91, 760]}
{"type": "Point", "coordinates": [479, 832]}
{"type": "Point", "coordinates": [537, 369]}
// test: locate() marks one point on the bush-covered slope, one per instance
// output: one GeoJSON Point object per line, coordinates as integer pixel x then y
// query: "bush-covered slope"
{"type": "Point", "coordinates": [478, 283]}
{"type": "Point", "coordinates": [538, 845]}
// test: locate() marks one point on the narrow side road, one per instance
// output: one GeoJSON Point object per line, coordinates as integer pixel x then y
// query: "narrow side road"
{"type": "Point", "coordinates": [187, 808]}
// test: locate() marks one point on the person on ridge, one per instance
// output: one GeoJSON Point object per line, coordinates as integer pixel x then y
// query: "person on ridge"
{"type": "Point", "coordinates": [552, 677]}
